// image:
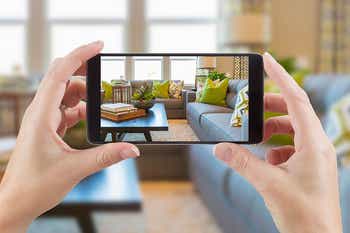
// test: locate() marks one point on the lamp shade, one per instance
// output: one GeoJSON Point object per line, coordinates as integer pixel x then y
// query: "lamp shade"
{"type": "Point", "coordinates": [206, 62]}
{"type": "Point", "coordinates": [247, 29]}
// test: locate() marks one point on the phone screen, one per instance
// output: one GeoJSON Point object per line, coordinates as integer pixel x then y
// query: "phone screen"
{"type": "Point", "coordinates": [175, 98]}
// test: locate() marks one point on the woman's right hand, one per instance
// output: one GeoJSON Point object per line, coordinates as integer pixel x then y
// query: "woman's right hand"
{"type": "Point", "coordinates": [299, 183]}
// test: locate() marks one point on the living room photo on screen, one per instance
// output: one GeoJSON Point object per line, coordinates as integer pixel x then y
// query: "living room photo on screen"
{"type": "Point", "coordinates": [174, 98]}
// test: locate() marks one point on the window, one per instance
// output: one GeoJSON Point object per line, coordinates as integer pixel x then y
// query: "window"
{"type": "Point", "coordinates": [182, 25]}
{"type": "Point", "coordinates": [112, 68]}
{"type": "Point", "coordinates": [75, 25]}
{"type": "Point", "coordinates": [146, 68]}
{"type": "Point", "coordinates": [183, 38]}
{"type": "Point", "coordinates": [87, 9]}
{"type": "Point", "coordinates": [183, 68]}
{"type": "Point", "coordinates": [166, 26]}
{"type": "Point", "coordinates": [13, 17]}
{"type": "Point", "coordinates": [199, 9]}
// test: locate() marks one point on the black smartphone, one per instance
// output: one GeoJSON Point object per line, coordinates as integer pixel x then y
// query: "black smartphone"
{"type": "Point", "coordinates": [169, 98]}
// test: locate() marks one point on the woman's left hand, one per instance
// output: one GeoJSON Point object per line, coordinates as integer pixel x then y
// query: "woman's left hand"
{"type": "Point", "coordinates": [43, 168]}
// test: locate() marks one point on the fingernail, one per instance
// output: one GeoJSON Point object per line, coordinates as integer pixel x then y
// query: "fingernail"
{"type": "Point", "coordinates": [98, 43]}
{"type": "Point", "coordinates": [267, 54]}
{"type": "Point", "coordinates": [223, 152]}
{"type": "Point", "coordinates": [132, 152]}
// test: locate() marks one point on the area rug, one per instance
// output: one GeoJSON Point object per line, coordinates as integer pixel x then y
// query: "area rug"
{"type": "Point", "coordinates": [179, 130]}
{"type": "Point", "coordinates": [168, 207]}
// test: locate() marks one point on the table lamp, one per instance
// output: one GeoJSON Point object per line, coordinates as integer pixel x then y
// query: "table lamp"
{"type": "Point", "coordinates": [250, 30]}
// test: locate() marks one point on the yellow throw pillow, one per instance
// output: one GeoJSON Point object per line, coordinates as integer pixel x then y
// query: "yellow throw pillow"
{"type": "Point", "coordinates": [161, 89]}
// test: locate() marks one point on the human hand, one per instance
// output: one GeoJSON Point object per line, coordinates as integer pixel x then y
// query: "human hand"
{"type": "Point", "coordinates": [43, 168]}
{"type": "Point", "coordinates": [299, 184]}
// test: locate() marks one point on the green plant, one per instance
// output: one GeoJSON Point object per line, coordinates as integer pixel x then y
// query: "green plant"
{"type": "Point", "coordinates": [144, 93]}
{"type": "Point", "coordinates": [214, 75]}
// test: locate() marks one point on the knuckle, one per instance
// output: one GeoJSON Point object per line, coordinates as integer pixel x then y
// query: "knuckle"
{"type": "Point", "coordinates": [240, 162]}
{"type": "Point", "coordinates": [103, 160]}
{"type": "Point", "coordinates": [271, 124]}
{"type": "Point", "coordinates": [327, 150]}
{"type": "Point", "coordinates": [301, 96]}
{"type": "Point", "coordinates": [56, 61]}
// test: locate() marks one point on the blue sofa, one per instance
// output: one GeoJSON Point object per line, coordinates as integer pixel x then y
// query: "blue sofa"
{"type": "Point", "coordinates": [212, 122]}
{"type": "Point", "coordinates": [233, 202]}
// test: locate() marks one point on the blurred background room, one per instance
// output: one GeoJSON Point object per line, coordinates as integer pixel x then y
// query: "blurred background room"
{"type": "Point", "coordinates": [171, 189]}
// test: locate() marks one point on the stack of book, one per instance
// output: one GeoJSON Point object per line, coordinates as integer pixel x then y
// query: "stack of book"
{"type": "Point", "coordinates": [120, 112]}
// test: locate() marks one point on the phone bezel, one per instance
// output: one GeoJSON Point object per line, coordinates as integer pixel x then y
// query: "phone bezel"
{"type": "Point", "coordinates": [256, 96]}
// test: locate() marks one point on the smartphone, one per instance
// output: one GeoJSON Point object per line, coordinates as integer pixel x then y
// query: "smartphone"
{"type": "Point", "coordinates": [169, 98]}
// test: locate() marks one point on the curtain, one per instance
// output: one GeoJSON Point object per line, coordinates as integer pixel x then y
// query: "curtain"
{"type": "Point", "coordinates": [334, 54]}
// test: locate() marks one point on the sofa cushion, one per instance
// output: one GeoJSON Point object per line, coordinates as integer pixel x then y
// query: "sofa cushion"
{"type": "Point", "coordinates": [234, 86]}
{"type": "Point", "coordinates": [197, 109]}
{"type": "Point", "coordinates": [324, 90]}
{"type": "Point", "coordinates": [231, 99]}
{"type": "Point", "coordinates": [240, 193]}
{"type": "Point", "coordinates": [339, 88]}
{"type": "Point", "coordinates": [213, 170]}
{"type": "Point", "coordinates": [217, 126]}
{"type": "Point", "coordinates": [241, 84]}
{"type": "Point", "coordinates": [171, 103]}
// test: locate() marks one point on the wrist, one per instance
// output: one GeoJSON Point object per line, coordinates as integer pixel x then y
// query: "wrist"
{"type": "Point", "coordinates": [11, 219]}
{"type": "Point", "coordinates": [316, 222]}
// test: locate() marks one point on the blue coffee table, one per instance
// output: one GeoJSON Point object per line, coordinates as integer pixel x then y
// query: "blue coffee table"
{"type": "Point", "coordinates": [113, 189]}
{"type": "Point", "coordinates": [155, 120]}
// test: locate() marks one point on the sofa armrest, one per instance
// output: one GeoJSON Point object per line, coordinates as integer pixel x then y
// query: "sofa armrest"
{"type": "Point", "coordinates": [190, 96]}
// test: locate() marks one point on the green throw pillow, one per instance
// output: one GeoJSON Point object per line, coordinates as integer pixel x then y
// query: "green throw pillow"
{"type": "Point", "coordinates": [214, 92]}
{"type": "Point", "coordinates": [107, 87]}
{"type": "Point", "coordinates": [161, 89]}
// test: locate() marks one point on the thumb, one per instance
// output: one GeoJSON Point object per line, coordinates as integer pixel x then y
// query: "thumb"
{"type": "Point", "coordinates": [257, 172]}
{"type": "Point", "coordinates": [98, 158]}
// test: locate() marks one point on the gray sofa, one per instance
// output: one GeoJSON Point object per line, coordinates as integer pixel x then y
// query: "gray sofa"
{"type": "Point", "coordinates": [175, 108]}
{"type": "Point", "coordinates": [233, 202]}
{"type": "Point", "coordinates": [211, 122]}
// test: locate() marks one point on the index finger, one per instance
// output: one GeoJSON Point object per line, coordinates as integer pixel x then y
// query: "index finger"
{"type": "Point", "coordinates": [53, 86]}
{"type": "Point", "coordinates": [303, 117]}
{"type": "Point", "coordinates": [274, 102]}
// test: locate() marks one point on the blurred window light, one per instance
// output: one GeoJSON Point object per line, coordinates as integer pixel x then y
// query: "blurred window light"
{"type": "Point", "coordinates": [13, 17]}
{"type": "Point", "coordinates": [73, 23]}
{"type": "Point", "coordinates": [182, 8]}
{"type": "Point", "coordinates": [182, 38]}
{"type": "Point", "coordinates": [147, 68]}
{"type": "Point", "coordinates": [14, 9]}
{"type": "Point", "coordinates": [64, 37]}
{"type": "Point", "coordinates": [80, 9]}
{"type": "Point", "coordinates": [183, 68]}
{"type": "Point", "coordinates": [12, 48]}
{"type": "Point", "coordinates": [182, 25]}
{"type": "Point", "coordinates": [112, 68]}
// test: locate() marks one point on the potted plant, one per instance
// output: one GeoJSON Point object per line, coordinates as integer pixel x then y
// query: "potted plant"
{"type": "Point", "coordinates": [214, 75]}
{"type": "Point", "coordinates": [143, 98]}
